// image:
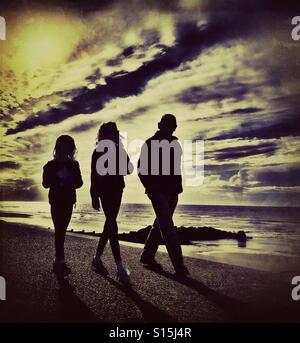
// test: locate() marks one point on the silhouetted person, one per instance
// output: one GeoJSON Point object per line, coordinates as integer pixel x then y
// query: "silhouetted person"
{"type": "Point", "coordinates": [160, 173]}
{"type": "Point", "coordinates": [62, 175]}
{"type": "Point", "coordinates": [110, 163]}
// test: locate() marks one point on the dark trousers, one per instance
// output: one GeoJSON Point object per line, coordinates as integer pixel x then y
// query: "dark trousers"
{"type": "Point", "coordinates": [111, 203]}
{"type": "Point", "coordinates": [61, 215]}
{"type": "Point", "coordinates": [164, 206]}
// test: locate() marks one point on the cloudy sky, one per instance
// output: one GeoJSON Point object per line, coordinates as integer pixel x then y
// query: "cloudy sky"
{"type": "Point", "coordinates": [228, 70]}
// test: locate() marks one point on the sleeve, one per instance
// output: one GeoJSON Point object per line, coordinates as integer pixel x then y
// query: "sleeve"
{"type": "Point", "coordinates": [130, 166]}
{"type": "Point", "coordinates": [122, 156]}
{"type": "Point", "coordinates": [48, 178]}
{"type": "Point", "coordinates": [77, 176]}
{"type": "Point", "coordinates": [176, 157]}
{"type": "Point", "coordinates": [93, 188]}
{"type": "Point", "coordinates": [144, 167]}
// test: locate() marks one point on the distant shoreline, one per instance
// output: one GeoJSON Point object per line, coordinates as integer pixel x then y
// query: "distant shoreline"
{"type": "Point", "coordinates": [180, 204]}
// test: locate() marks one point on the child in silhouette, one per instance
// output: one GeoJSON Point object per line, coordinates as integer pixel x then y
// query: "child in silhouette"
{"type": "Point", "coordinates": [62, 176]}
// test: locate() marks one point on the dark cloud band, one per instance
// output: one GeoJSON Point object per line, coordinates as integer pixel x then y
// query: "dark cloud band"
{"type": "Point", "coordinates": [191, 40]}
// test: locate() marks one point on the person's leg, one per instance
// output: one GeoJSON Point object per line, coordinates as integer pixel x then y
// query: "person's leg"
{"type": "Point", "coordinates": [152, 242]}
{"type": "Point", "coordinates": [180, 269]}
{"type": "Point", "coordinates": [103, 240]}
{"type": "Point", "coordinates": [113, 233]}
{"type": "Point", "coordinates": [61, 216]}
{"type": "Point", "coordinates": [172, 200]}
{"type": "Point", "coordinates": [164, 208]}
{"type": "Point", "coordinates": [68, 210]}
{"type": "Point", "coordinates": [58, 232]}
{"type": "Point", "coordinates": [111, 205]}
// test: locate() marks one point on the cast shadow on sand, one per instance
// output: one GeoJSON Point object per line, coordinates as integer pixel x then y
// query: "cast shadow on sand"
{"type": "Point", "coordinates": [149, 312]}
{"type": "Point", "coordinates": [70, 307]}
{"type": "Point", "coordinates": [237, 310]}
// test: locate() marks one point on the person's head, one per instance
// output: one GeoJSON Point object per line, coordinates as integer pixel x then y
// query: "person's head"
{"type": "Point", "coordinates": [65, 148]}
{"type": "Point", "coordinates": [108, 130]}
{"type": "Point", "coordinates": [167, 124]}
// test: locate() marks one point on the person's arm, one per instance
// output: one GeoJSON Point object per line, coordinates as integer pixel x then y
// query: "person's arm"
{"type": "Point", "coordinates": [130, 167]}
{"type": "Point", "coordinates": [123, 157]}
{"type": "Point", "coordinates": [77, 176]}
{"type": "Point", "coordinates": [47, 177]}
{"type": "Point", "coordinates": [144, 169]}
{"type": "Point", "coordinates": [93, 188]}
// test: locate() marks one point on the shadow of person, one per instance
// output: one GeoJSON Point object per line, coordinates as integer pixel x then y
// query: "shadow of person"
{"type": "Point", "coordinates": [70, 307]}
{"type": "Point", "coordinates": [150, 313]}
{"type": "Point", "coordinates": [237, 310]}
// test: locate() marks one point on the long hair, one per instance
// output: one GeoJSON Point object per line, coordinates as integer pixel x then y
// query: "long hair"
{"type": "Point", "coordinates": [64, 148]}
{"type": "Point", "coordinates": [110, 131]}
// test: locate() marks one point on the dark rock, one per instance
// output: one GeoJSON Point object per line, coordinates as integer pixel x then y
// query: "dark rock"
{"type": "Point", "coordinates": [241, 236]}
{"type": "Point", "coordinates": [186, 235]}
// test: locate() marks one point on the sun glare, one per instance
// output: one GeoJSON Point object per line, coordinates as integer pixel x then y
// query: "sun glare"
{"type": "Point", "coordinates": [42, 41]}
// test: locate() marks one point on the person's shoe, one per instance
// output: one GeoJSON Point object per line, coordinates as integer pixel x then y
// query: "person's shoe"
{"type": "Point", "coordinates": [123, 274]}
{"type": "Point", "coordinates": [150, 262]}
{"type": "Point", "coordinates": [182, 271]}
{"type": "Point", "coordinates": [99, 267]}
{"type": "Point", "coordinates": [60, 268]}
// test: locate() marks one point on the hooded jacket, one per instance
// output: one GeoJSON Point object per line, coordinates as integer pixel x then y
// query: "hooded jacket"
{"type": "Point", "coordinates": [62, 177]}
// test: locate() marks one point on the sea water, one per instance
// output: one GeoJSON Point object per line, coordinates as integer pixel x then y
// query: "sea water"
{"type": "Point", "coordinates": [275, 230]}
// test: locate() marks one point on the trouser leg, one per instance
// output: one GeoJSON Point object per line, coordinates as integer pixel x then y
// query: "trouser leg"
{"type": "Point", "coordinates": [111, 205]}
{"type": "Point", "coordinates": [114, 242]}
{"type": "Point", "coordinates": [164, 206]}
{"type": "Point", "coordinates": [61, 216]}
{"type": "Point", "coordinates": [152, 241]}
{"type": "Point", "coordinates": [102, 241]}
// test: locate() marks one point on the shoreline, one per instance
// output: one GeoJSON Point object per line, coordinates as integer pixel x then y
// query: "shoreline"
{"type": "Point", "coordinates": [185, 234]}
{"type": "Point", "coordinates": [260, 262]}
{"type": "Point", "coordinates": [181, 204]}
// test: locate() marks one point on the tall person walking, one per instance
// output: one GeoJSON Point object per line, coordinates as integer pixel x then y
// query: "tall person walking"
{"type": "Point", "coordinates": [160, 173]}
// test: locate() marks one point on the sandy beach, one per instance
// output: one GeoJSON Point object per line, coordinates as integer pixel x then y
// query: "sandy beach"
{"type": "Point", "coordinates": [215, 292]}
